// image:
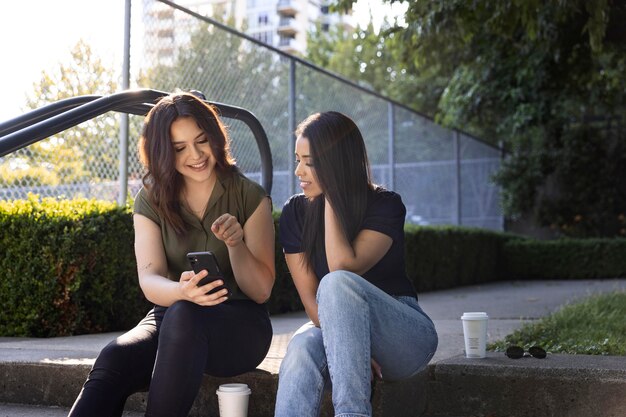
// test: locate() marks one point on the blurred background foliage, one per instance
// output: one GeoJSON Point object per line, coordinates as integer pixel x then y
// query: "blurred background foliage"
{"type": "Point", "coordinates": [547, 80]}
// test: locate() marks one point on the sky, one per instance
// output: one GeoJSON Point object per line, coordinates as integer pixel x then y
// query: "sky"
{"type": "Point", "coordinates": [39, 34]}
{"type": "Point", "coordinates": [36, 35]}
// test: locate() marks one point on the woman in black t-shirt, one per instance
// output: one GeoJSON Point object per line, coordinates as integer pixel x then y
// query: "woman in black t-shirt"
{"type": "Point", "coordinates": [343, 240]}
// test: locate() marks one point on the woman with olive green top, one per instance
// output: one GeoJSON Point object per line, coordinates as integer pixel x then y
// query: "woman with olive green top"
{"type": "Point", "coordinates": [194, 199]}
{"type": "Point", "coordinates": [232, 194]}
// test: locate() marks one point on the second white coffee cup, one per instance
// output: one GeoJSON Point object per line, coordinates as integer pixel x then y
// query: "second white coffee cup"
{"type": "Point", "coordinates": [475, 333]}
{"type": "Point", "coordinates": [233, 400]}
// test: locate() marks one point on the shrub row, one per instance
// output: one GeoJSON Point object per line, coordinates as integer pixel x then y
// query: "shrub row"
{"type": "Point", "coordinates": [68, 266]}
{"type": "Point", "coordinates": [441, 257]}
{"type": "Point", "coordinates": [564, 258]}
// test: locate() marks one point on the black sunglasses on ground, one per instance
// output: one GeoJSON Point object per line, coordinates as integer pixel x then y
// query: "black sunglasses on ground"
{"type": "Point", "coordinates": [517, 352]}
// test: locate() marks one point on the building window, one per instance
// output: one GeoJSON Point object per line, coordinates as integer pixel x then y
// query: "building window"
{"type": "Point", "coordinates": [324, 9]}
{"type": "Point", "coordinates": [265, 37]}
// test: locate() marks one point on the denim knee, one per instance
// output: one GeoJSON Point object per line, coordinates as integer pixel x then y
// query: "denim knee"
{"type": "Point", "coordinates": [338, 285]}
{"type": "Point", "coordinates": [303, 349]}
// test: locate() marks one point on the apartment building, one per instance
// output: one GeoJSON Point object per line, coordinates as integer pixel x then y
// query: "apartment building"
{"type": "Point", "coordinates": [283, 24]}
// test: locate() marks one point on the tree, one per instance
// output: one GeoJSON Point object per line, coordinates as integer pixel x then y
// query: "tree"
{"type": "Point", "coordinates": [548, 80]}
{"type": "Point", "coordinates": [375, 60]}
{"type": "Point", "coordinates": [82, 154]}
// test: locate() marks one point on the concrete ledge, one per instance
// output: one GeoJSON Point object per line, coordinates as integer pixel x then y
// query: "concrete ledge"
{"type": "Point", "coordinates": [41, 383]}
{"type": "Point", "coordinates": [558, 386]}
{"type": "Point", "coordinates": [54, 384]}
{"type": "Point", "coordinates": [52, 371]}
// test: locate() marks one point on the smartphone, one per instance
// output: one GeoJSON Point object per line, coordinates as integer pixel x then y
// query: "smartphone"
{"type": "Point", "coordinates": [207, 261]}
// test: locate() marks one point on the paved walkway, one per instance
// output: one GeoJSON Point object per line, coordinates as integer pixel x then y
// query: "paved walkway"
{"type": "Point", "coordinates": [508, 304]}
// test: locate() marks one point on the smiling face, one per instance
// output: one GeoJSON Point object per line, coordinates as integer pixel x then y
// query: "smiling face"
{"type": "Point", "coordinates": [305, 170]}
{"type": "Point", "coordinates": [194, 157]}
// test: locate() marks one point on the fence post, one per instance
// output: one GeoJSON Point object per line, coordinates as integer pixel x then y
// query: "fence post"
{"type": "Point", "coordinates": [502, 158]}
{"type": "Point", "coordinates": [123, 151]}
{"type": "Point", "coordinates": [391, 127]}
{"type": "Point", "coordinates": [292, 126]}
{"type": "Point", "coordinates": [458, 219]}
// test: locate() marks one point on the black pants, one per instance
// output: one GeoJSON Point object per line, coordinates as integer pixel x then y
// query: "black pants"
{"type": "Point", "coordinates": [168, 352]}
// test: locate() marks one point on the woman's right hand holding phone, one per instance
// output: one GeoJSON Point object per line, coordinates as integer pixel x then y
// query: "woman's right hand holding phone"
{"type": "Point", "coordinates": [190, 290]}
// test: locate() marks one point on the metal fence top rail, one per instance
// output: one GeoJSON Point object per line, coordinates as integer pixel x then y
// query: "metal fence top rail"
{"type": "Point", "coordinates": [41, 123]}
{"type": "Point", "coordinates": [313, 66]}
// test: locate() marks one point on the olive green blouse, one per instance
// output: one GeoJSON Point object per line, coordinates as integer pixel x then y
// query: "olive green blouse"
{"type": "Point", "coordinates": [234, 194]}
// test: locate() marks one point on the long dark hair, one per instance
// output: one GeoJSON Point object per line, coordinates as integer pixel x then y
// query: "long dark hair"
{"type": "Point", "coordinates": [157, 154]}
{"type": "Point", "coordinates": [343, 172]}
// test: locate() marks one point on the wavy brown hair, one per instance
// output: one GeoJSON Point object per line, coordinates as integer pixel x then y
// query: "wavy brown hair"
{"type": "Point", "coordinates": [342, 169]}
{"type": "Point", "coordinates": [157, 154]}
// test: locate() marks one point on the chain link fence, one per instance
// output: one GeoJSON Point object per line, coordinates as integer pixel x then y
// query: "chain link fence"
{"type": "Point", "coordinates": [443, 175]}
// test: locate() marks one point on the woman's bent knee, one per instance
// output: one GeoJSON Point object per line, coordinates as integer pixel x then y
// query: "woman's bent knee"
{"type": "Point", "coordinates": [339, 286]}
{"type": "Point", "coordinates": [337, 282]}
{"type": "Point", "coordinates": [303, 348]}
{"type": "Point", "coordinates": [182, 310]}
{"type": "Point", "coordinates": [115, 355]}
{"type": "Point", "coordinates": [181, 322]}
{"type": "Point", "coordinates": [112, 362]}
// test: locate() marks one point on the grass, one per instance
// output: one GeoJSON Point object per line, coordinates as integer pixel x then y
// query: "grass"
{"type": "Point", "coordinates": [595, 326]}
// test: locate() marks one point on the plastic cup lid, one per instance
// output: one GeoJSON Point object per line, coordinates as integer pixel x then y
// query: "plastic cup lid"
{"type": "Point", "coordinates": [233, 387]}
{"type": "Point", "coordinates": [475, 316]}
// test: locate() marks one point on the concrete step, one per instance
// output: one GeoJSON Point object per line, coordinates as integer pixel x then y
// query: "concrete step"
{"type": "Point", "coordinates": [22, 410]}
{"type": "Point", "coordinates": [57, 385]}
{"type": "Point", "coordinates": [50, 372]}
{"type": "Point", "coordinates": [558, 386]}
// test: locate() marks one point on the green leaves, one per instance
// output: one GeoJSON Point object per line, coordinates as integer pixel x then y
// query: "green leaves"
{"type": "Point", "coordinates": [537, 76]}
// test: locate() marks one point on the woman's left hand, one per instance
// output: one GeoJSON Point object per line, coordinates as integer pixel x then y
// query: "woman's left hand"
{"type": "Point", "coordinates": [227, 229]}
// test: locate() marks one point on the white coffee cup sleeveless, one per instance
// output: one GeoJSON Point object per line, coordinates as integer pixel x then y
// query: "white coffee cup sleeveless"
{"type": "Point", "coordinates": [233, 400]}
{"type": "Point", "coordinates": [475, 333]}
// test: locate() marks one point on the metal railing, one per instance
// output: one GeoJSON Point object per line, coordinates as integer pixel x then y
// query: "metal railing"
{"type": "Point", "coordinates": [49, 120]}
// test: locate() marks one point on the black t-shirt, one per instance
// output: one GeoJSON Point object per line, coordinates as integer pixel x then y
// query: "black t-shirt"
{"type": "Point", "coordinates": [385, 214]}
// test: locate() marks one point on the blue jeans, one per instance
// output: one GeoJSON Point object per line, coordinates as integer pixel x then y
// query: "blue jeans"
{"type": "Point", "coordinates": [358, 322]}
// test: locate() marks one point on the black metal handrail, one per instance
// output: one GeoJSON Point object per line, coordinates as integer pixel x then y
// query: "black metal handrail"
{"type": "Point", "coordinates": [43, 113]}
{"type": "Point", "coordinates": [49, 120]}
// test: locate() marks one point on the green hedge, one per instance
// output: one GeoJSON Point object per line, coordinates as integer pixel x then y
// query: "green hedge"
{"type": "Point", "coordinates": [439, 257]}
{"type": "Point", "coordinates": [68, 266]}
{"type": "Point", "coordinates": [564, 258]}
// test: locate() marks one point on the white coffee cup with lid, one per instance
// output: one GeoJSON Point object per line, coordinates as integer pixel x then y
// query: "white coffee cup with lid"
{"type": "Point", "coordinates": [233, 400]}
{"type": "Point", "coordinates": [475, 333]}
